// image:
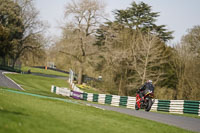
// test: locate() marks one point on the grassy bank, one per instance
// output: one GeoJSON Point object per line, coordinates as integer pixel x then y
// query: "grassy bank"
{"type": "Point", "coordinates": [27, 114]}
{"type": "Point", "coordinates": [37, 84]}
{"type": "Point", "coordinates": [42, 85]}
{"type": "Point", "coordinates": [43, 71]}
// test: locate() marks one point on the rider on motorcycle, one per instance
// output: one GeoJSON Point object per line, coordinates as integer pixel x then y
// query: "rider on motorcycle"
{"type": "Point", "coordinates": [147, 85]}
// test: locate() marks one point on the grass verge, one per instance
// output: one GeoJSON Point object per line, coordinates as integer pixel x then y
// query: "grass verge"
{"type": "Point", "coordinates": [27, 114]}
{"type": "Point", "coordinates": [42, 85]}
{"type": "Point", "coordinates": [88, 89]}
{"type": "Point", "coordinates": [37, 84]}
{"type": "Point", "coordinates": [43, 71]}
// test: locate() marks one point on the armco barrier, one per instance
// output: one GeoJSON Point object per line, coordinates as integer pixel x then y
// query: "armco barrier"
{"type": "Point", "coordinates": [115, 100]}
{"type": "Point", "coordinates": [172, 106]}
{"type": "Point", "coordinates": [85, 95]}
{"type": "Point", "coordinates": [191, 107]}
{"type": "Point", "coordinates": [176, 106]}
{"type": "Point", "coordinates": [123, 101]}
{"type": "Point", "coordinates": [131, 102]}
{"type": "Point", "coordinates": [163, 105]}
{"type": "Point", "coordinates": [155, 105]}
{"type": "Point", "coordinates": [61, 91]}
{"type": "Point", "coordinates": [90, 97]}
{"type": "Point", "coordinates": [199, 109]}
{"type": "Point", "coordinates": [66, 92]}
{"type": "Point", "coordinates": [102, 98]}
{"type": "Point", "coordinates": [76, 95]}
{"type": "Point", "coordinates": [95, 97]}
{"type": "Point", "coordinates": [108, 99]}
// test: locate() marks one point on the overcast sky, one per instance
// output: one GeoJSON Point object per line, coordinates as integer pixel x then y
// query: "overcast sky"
{"type": "Point", "coordinates": [177, 15]}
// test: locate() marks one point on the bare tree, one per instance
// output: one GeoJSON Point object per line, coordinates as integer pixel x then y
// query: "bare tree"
{"type": "Point", "coordinates": [85, 16]}
{"type": "Point", "coordinates": [186, 65]}
{"type": "Point", "coordinates": [32, 29]}
{"type": "Point", "coordinates": [115, 52]}
{"type": "Point", "coordinates": [134, 58]}
{"type": "Point", "coordinates": [149, 55]}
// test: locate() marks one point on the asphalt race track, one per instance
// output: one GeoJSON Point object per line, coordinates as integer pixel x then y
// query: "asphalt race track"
{"type": "Point", "coordinates": [5, 82]}
{"type": "Point", "coordinates": [187, 123]}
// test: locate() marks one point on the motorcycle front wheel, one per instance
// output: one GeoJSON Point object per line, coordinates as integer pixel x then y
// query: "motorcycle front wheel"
{"type": "Point", "coordinates": [149, 104]}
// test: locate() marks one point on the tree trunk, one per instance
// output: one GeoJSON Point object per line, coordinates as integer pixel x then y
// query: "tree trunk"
{"type": "Point", "coordinates": [176, 93]}
{"type": "Point", "coordinates": [4, 61]}
{"type": "Point", "coordinates": [120, 86]}
{"type": "Point", "coordinates": [80, 75]}
{"type": "Point", "coordinates": [14, 62]}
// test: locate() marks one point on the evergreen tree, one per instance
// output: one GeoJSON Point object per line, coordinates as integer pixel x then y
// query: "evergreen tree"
{"type": "Point", "coordinates": [11, 27]}
{"type": "Point", "coordinates": [138, 17]}
{"type": "Point", "coordinates": [129, 38]}
{"type": "Point", "coordinates": [141, 17]}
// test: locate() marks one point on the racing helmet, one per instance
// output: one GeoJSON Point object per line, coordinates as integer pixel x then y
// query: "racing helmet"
{"type": "Point", "coordinates": [149, 81]}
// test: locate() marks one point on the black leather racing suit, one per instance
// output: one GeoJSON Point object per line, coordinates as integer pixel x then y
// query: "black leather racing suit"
{"type": "Point", "coordinates": [147, 85]}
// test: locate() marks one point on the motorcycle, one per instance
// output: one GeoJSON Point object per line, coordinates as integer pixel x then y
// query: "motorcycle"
{"type": "Point", "coordinates": [147, 103]}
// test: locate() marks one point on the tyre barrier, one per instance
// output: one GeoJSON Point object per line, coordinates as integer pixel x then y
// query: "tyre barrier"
{"type": "Point", "coordinates": [115, 101]}
{"type": "Point", "coordinates": [90, 97]}
{"type": "Point", "coordinates": [67, 92]}
{"type": "Point", "coordinates": [177, 106]}
{"type": "Point", "coordinates": [123, 101]}
{"type": "Point", "coordinates": [61, 91]}
{"type": "Point", "coordinates": [85, 95]}
{"type": "Point", "coordinates": [131, 102]}
{"type": "Point", "coordinates": [101, 98]}
{"type": "Point", "coordinates": [171, 106]}
{"type": "Point", "coordinates": [95, 97]}
{"type": "Point", "coordinates": [108, 99]}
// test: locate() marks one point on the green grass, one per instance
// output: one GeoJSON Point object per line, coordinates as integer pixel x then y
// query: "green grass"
{"type": "Point", "coordinates": [88, 89]}
{"type": "Point", "coordinates": [37, 84]}
{"type": "Point", "coordinates": [27, 114]}
{"type": "Point", "coordinates": [43, 71]}
{"type": "Point", "coordinates": [42, 85]}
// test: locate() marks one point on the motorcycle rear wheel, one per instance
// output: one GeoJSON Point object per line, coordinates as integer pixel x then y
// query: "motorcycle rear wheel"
{"type": "Point", "coordinates": [149, 104]}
